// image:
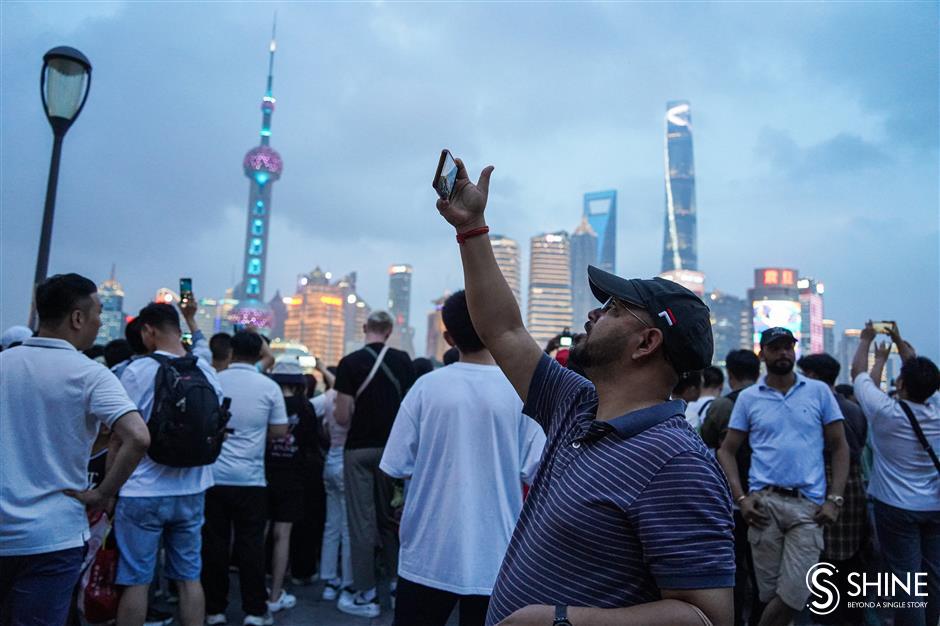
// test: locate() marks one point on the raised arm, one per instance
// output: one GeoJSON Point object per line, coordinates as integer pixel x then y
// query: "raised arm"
{"type": "Point", "coordinates": [493, 308]}
{"type": "Point", "coordinates": [882, 352]}
{"type": "Point", "coordinates": [860, 360]}
{"type": "Point", "coordinates": [905, 350]}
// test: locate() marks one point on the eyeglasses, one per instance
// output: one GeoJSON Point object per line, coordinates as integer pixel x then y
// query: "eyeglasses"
{"type": "Point", "coordinates": [612, 304]}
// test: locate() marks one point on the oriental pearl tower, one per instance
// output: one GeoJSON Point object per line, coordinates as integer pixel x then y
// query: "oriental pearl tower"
{"type": "Point", "coordinates": [262, 166]}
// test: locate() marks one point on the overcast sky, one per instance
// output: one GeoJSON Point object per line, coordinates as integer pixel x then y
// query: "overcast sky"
{"type": "Point", "coordinates": [815, 138]}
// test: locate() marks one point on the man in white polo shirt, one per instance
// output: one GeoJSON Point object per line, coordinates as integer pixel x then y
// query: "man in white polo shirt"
{"type": "Point", "coordinates": [52, 402]}
{"type": "Point", "coordinates": [238, 500]}
{"type": "Point", "coordinates": [160, 501]}
{"type": "Point", "coordinates": [905, 478]}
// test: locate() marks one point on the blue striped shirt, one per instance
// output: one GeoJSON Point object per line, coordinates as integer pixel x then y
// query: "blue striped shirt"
{"type": "Point", "coordinates": [619, 509]}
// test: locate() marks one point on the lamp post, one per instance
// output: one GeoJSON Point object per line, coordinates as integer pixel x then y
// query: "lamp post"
{"type": "Point", "coordinates": [64, 85]}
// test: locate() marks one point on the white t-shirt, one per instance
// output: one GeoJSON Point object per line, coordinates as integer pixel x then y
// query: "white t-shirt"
{"type": "Point", "coordinates": [151, 478]}
{"type": "Point", "coordinates": [903, 474]}
{"type": "Point", "coordinates": [52, 401]}
{"type": "Point", "coordinates": [462, 438]}
{"type": "Point", "coordinates": [257, 402]}
{"type": "Point", "coordinates": [696, 410]}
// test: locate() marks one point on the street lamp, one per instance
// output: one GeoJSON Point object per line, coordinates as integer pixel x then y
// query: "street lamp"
{"type": "Point", "coordinates": [64, 84]}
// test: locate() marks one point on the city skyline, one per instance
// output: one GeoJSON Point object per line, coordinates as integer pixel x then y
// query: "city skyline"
{"type": "Point", "coordinates": [808, 147]}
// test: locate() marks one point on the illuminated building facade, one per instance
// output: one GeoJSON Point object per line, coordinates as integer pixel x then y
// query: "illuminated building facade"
{"type": "Point", "coordinates": [583, 253]}
{"type": "Point", "coordinates": [355, 312]}
{"type": "Point", "coordinates": [399, 307]}
{"type": "Point", "coordinates": [111, 295]}
{"type": "Point", "coordinates": [550, 309]}
{"type": "Point", "coordinates": [316, 317]}
{"type": "Point", "coordinates": [812, 340]}
{"type": "Point", "coordinates": [600, 209]}
{"type": "Point", "coordinates": [507, 255]}
{"type": "Point", "coordinates": [679, 237]}
{"type": "Point", "coordinates": [436, 346]}
{"type": "Point", "coordinates": [775, 301]}
{"type": "Point", "coordinates": [731, 324]}
{"type": "Point", "coordinates": [263, 166]}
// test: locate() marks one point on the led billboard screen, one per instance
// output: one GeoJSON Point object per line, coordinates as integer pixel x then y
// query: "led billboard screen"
{"type": "Point", "coordinates": [770, 313]}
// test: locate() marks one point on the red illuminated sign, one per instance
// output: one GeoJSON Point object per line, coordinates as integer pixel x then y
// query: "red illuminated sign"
{"type": "Point", "coordinates": [778, 277]}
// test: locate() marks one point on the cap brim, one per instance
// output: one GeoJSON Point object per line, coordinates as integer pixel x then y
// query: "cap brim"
{"type": "Point", "coordinates": [604, 285]}
{"type": "Point", "coordinates": [780, 338]}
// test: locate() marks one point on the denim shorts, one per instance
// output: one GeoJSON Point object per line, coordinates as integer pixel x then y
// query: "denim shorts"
{"type": "Point", "coordinates": [140, 523]}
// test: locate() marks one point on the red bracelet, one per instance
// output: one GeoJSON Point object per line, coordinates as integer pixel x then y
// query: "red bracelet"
{"type": "Point", "coordinates": [462, 237]}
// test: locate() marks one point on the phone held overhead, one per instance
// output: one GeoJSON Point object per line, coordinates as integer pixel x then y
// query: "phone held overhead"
{"type": "Point", "coordinates": [445, 179]}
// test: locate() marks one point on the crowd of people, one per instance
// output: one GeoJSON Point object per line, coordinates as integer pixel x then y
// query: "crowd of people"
{"type": "Point", "coordinates": [616, 477]}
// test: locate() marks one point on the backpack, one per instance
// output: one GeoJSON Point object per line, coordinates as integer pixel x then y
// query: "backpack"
{"type": "Point", "coordinates": [187, 424]}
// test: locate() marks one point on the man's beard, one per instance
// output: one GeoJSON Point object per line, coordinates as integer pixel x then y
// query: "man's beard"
{"type": "Point", "coordinates": [597, 355]}
{"type": "Point", "coordinates": [780, 367]}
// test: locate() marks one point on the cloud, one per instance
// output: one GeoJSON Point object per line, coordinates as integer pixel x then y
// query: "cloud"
{"type": "Point", "coordinates": [842, 154]}
{"type": "Point", "coordinates": [818, 118]}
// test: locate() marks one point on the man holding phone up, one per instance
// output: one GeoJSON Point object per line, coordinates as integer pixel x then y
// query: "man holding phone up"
{"type": "Point", "coordinates": [629, 520]}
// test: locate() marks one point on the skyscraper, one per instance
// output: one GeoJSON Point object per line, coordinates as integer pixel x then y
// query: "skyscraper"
{"type": "Point", "coordinates": [583, 253]}
{"type": "Point", "coordinates": [600, 209]}
{"type": "Point", "coordinates": [549, 286]}
{"type": "Point", "coordinates": [436, 346]}
{"type": "Point", "coordinates": [812, 340]}
{"type": "Point", "coordinates": [829, 336]}
{"type": "Point", "coordinates": [315, 317]}
{"type": "Point", "coordinates": [506, 251]}
{"type": "Point", "coordinates": [355, 312]}
{"type": "Point", "coordinates": [399, 307]}
{"type": "Point", "coordinates": [679, 246]}
{"type": "Point", "coordinates": [112, 310]}
{"type": "Point", "coordinates": [731, 324]}
{"type": "Point", "coordinates": [775, 301]}
{"type": "Point", "coordinates": [263, 166]}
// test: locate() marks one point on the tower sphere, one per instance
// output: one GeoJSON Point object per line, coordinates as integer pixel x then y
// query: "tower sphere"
{"type": "Point", "coordinates": [263, 159]}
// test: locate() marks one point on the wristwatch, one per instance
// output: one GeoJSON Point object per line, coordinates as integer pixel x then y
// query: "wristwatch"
{"type": "Point", "coordinates": [836, 500]}
{"type": "Point", "coordinates": [561, 615]}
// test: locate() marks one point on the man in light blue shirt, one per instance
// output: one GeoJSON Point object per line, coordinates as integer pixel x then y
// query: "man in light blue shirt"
{"type": "Point", "coordinates": [787, 419]}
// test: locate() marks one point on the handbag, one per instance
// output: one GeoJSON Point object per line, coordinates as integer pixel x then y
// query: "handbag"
{"type": "Point", "coordinates": [98, 596]}
{"type": "Point", "coordinates": [920, 434]}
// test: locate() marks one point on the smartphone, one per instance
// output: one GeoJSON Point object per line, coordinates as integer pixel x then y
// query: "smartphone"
{"type": "Point", "coordinates": [186, 289]}
{"type": "Point", "coordinates": [307, 361]}
{"type": "Point", "coordinates": [565, 341]}
{"type": "Point", "coordinates": [883, 327]}
{"type": "Point", "coordinates": [445, 179]}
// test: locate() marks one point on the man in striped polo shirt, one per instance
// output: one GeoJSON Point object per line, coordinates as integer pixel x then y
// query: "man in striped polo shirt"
{"type": "Point", "coordinates": [629, 520]}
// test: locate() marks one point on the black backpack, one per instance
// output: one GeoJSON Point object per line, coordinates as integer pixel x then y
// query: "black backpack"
{"type": "Point", "coordinates": [187, 423]}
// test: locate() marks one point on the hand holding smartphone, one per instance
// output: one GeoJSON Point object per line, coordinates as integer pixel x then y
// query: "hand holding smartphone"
{"type": "Point", "coordinates": [884, 327]}
{"type": "Point", "coordinates": [445, 179]}
{"type": "Point", "coordinates": [186, 289]}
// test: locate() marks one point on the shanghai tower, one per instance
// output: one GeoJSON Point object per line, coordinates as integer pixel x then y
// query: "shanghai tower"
{"type": "Point", "coordinates": [679, 246]}
{"type": "Point", "coordinates": [262, 166]}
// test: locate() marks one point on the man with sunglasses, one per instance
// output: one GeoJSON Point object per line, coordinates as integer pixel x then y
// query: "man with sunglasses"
{"type": "Point", "coordinates": [629, 520]}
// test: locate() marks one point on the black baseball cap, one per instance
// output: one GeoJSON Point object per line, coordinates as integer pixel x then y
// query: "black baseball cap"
{"type": "Point", "coordinates": [773, 334]}
{"type": "Point", "coordinates": [680, 314]}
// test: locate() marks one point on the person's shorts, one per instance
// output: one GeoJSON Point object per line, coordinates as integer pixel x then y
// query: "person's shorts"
{"type": "Point", "coordinates": [140, 523]}
{"type": "Point", "coordinates": [786, 549]}
{"type": "Point", "coordinates": [285, 501]}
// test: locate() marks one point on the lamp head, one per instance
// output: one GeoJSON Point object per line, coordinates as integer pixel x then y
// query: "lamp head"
{"type": "Point", "coordinates": [64, 86]}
